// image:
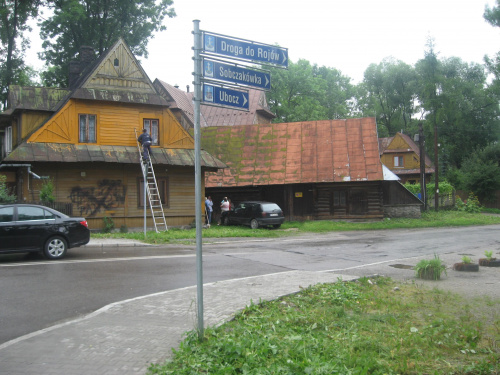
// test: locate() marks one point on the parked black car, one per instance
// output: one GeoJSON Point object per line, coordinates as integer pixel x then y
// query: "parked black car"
{"type": "Point", "coordinates": [35, 228]}
{"type": "Point", "coordinates": [255, 214]}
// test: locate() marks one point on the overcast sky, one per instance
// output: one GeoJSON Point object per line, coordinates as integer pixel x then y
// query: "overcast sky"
{"type": "Point", "coordinates": [347, 35]}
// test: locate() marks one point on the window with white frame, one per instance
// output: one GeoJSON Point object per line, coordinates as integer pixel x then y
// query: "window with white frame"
{"type": "Point", "coordinates": [8, 139]}
{"type": "Point", "coordinates": [152, 126]}
{"type": "Point", "coordinates": [87, 128]}
{"type": "Point", "coordinates": [398, 161]}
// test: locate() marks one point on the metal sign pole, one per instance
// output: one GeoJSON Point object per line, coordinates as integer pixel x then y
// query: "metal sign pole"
{"type": "Point", "coordinates": [145, 208]}
{"type": "Point", "coordinates": [197, 173]}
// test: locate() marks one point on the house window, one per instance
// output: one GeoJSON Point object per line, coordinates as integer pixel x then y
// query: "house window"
{"type": "Point", "coordinates": [339, 198]}
{"type": "Point", "coordinates": [398, 161]}
{"type": "Point", "coordinates": [87, 128]}
{"type": "Point", "coordinates": [8, 139]}
{"type": "Point", "coordinates": [162, 183]}
{"type": "Point", "coordinates": [152, 126]}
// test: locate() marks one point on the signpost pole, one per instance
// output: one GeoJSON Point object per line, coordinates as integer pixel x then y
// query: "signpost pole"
{"type": "Point", "coordinates": [197, 174]}
{"type": "Point", "coordinates": [145, 207]}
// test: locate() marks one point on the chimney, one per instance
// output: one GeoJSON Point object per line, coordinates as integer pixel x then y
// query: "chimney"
{"type": "Point", "coordinates": [74, 72]}
{"type": "Point", "coordinates": [86, 55]}
{"type": "Point", "coordinates": [187, 88]}
{"type": "Point", "coordinates": [76, 67]}
{"type": "Point", "coordinates": [176, 86]}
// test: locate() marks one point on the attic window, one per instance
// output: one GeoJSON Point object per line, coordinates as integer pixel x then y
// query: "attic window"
{"type": "Point", "coordinates": [87, 128]}
{"type": "Point", "coordinates": [116, 62]}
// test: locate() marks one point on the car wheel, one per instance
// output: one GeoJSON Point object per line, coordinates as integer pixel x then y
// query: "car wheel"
{"type": "Point", "coordinates": [254, 224]}
{"type": "Point", "coordinates": [226, 221]}
{"type": "Point", "coordinates": [55, 248]}
{"type": "Point", "coordinates": [276, 226]}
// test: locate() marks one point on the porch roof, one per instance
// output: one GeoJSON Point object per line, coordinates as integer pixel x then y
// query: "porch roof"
{"type": "Point", "coordinates": [70, 153]}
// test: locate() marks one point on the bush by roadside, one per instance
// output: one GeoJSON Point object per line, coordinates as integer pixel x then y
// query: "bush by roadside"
{"type": "Point", "coordinates": [372, 326]}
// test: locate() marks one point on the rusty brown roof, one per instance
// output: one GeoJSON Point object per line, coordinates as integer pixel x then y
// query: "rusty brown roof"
{"type": "Point", "coordinates": [70, 153]}
{"type": "Point", "coordinates": [289, 153]}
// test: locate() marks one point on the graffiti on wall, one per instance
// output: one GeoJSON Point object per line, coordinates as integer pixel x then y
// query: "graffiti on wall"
{"type": "Point", "coordinates": [107, 195]}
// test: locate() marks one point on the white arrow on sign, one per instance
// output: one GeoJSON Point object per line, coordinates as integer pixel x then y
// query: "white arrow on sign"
{"type": "Point", "coordinates": [245, 100]}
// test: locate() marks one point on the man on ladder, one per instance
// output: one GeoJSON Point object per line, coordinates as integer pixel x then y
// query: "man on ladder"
{"type": "Point", "coordinates": [145, 141]}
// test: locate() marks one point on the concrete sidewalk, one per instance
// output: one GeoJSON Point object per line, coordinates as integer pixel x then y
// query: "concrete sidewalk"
{"type": "Point", "coordinates": [126, 337]}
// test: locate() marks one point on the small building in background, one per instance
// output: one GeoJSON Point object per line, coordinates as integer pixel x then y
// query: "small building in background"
{"type": "Point", "coordinates": [402, 156]}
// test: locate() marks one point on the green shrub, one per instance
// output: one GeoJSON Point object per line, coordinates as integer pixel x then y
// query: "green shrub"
{"type": "Point", "coordinates": [5, 195]}
{"type": "Point", "coordinates": [123, 229]}
{"type": "Point", "coordinates": [47, 192]}
{"type": "Point", "coordinates": [471, 205]}
{"type": "Point", "coordinates": [109, 224]}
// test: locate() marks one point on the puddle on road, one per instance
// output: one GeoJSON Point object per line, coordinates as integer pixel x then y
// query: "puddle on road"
{"type": "Point", "coordinates": [402, 266]}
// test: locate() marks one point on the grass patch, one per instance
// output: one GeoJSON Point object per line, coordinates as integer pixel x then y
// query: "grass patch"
{"type": "Point", "coordinates": [491, 210]}
{"type": "Point", "coordinates": [363, 327]}
{"type": "Point", "coordinates": [428, 220]}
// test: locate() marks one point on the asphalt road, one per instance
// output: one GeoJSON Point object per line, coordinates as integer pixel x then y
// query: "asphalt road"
{"type": "Point", "coordinates": [36, 293]}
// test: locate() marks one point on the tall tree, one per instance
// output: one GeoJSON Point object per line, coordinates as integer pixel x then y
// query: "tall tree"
{"type": "Point", "coordinates": [305, 92]}
{"type": "Point", "coordinates": [480, 173]}
{"type": "Point", "coordinates": [338, 97]}
{"type": "Point", "coordinates": [469, 112]}
{"type": "Point", "coordinates": [492, 16]}
{"type": "Point", "coordinates": [97, 23]}
{"type": "Point", "coordinates": [14, 15]}
{"type": "Point", "coordinates": [388, 92]}
{"type": "Point", "coordinates": [294, 93]}
{"type": "Point", "coordinates": [429, 70]}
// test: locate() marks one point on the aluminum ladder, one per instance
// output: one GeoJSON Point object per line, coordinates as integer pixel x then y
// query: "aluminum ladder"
{"type": "Point", "coordinates": [152, 190]}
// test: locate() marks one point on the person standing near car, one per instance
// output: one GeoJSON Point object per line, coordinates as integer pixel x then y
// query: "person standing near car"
{"type": "Point", "coordinates": [209, 209]}
{"type": "Point", "coordinates": [224, 209]}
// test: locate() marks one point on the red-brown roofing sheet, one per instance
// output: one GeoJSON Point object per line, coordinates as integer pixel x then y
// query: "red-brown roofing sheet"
{"type": "Point", "coordinates": [300, 152]}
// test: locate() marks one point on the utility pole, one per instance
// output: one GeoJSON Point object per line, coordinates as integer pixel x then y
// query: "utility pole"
{"type": "Point", "coordinates": [421, 144]}
{"type": "Point", "coordinates": [436, 162]}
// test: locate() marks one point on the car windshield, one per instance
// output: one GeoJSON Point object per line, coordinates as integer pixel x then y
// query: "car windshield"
{"type": "Point", "coordinates": [267, 207]}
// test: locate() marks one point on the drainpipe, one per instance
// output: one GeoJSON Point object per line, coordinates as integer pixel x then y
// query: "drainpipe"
{"type": "Point", "coordinates": [28, 166]}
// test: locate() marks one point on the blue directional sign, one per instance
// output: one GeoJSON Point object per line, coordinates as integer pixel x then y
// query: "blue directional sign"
{"type": "Point", "coordinates": [224, 96]}
{"type": "Point", "coordinates": [245, 50]}
{"type": "Point", "coordinates": [235, 74]}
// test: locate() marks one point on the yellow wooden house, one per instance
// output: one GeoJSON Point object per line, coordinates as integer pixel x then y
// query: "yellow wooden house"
{"type": "Point", "coordinates": [83, 139]}
{"type": "Point", "coordinates": [402, 156]}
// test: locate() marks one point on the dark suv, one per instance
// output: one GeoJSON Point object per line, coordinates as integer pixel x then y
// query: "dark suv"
{"type": "Point", "coordinates": [255, 214]}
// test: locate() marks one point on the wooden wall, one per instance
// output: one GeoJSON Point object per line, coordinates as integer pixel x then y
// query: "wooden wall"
{"type": "Point", "coordinates": [115, 124]}
{"type": "Point", "coordinates": [314, 202]}
{"type": "Point", "coordinates": [97, 190]}
{"type": "Point", "coordinates": [31, 120]}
